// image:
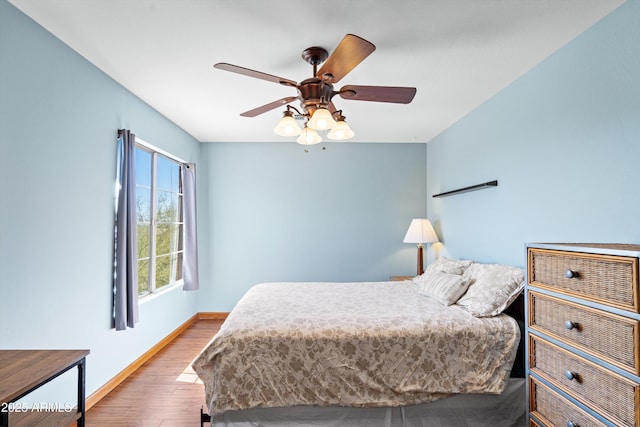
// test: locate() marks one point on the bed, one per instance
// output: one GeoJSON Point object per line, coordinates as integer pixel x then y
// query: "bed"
{"type": "Point", "coordinates": [417, 352]}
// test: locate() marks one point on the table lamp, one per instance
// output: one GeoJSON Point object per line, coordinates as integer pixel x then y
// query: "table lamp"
{"type": "Point", "coordinates": [420, 231]}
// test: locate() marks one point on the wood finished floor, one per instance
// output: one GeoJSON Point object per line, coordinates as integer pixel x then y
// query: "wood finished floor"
{"type": "Point", "coordinates": [164, 391]}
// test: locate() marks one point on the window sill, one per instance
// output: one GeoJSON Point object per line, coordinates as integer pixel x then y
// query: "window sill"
{"type": "Point", "coordinates": [153, 295]}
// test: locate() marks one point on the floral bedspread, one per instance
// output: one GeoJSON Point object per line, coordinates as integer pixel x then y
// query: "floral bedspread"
{"type": "Point", "coordinates": [351, 344]}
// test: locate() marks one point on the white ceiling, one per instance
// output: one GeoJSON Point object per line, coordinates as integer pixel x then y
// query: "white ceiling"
{"type": "Point", "coordinates": [457, 53]}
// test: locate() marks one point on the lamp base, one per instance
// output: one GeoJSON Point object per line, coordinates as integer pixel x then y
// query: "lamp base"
{"type": "Point", "coordinates": [420, 260]}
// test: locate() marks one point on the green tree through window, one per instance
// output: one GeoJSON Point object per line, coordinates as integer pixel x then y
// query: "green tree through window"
{"type": "Point", "coordinates": [160, 220]}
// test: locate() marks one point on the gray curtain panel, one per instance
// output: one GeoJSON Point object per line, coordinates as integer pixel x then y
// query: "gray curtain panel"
{"type": "Point", "coordinates": [190, 266]}
{"type": "Point", "coordinates": [125, 286]}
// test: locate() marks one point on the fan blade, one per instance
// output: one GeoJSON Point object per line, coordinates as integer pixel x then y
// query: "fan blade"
{"type": "Point", "coordinates": [351, 51]}
{"type": "Point", "coordinates": [396, 94]}
{"type": "Point", "coordinates": [253, 73]}
{"type": "Point", "coordinates": [269, 106]}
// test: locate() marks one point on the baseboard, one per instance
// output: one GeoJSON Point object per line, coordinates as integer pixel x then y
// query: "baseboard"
{"type": "Point", "coordinates": [96, 396]}
{"type": "Point", "coordinates": [212, 315]}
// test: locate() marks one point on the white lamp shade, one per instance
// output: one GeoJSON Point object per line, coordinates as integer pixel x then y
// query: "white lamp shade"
{"type": "Point", "coordinates": [321, 120]}
{"type": "Point", "coordinates": [309, 137]}
{"type": "Point", "coordinates": [287, 126]}
{"type": "Point", "coordinates": [340, 131]}
{"type": "Point", "coordinates": [420, 231]}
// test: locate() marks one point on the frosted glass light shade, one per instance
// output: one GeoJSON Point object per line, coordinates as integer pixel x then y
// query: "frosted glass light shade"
{"type": "Point", "coordinates": [321, 120]}
{"type": "Point", "coordinates": [287, 126]}
{"type": "Point", "coordinates": [340, 131]}
{"type": "Point", "coordinates": [309, 137]}
{"type": "Point", "coordinates": [420, 231]}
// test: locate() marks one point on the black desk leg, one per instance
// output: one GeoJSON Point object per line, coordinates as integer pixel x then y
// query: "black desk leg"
{"type": "Point", "coordinates": [81, 386]}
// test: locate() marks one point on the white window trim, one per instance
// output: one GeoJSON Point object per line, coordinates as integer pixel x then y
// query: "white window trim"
{"type": "Point", "coordinates": [159, 150]}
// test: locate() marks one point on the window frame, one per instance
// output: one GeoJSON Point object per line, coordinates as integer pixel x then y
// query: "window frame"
{"type": "Point", "coordinates": [152, 256]}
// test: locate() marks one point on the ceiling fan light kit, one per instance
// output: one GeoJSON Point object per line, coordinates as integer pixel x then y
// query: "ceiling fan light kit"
{"type": "Point", "coordinates": [316, 93]}
{"type": "Point", "coordinates": [340, 131]}
{"type": "Point", "coordinates": [287, 126]}
{"type": "Point", "coordinates": [309, 137]}
{"type": "Point", "coordinates": [321, 120]}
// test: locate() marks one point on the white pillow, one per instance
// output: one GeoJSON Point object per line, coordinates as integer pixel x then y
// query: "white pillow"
{"type": "Point", "coordinates": [443, 287]}
{"type": "Point", "coordinates": [447, 265]}
{"type": "Point", "coordinates": [493, 288]}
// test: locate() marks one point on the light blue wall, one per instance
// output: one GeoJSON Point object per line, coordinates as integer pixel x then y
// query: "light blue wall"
{"type": "Point", "coordinates": [564, 143]}
{"type": "Point", "coordinates": [280, 214]}
{"type": "Point", "coordinates": [58, 121]}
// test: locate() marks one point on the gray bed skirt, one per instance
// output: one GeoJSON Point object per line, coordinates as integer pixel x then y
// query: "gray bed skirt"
{"type": "Point", "coordinates": [478, 410]}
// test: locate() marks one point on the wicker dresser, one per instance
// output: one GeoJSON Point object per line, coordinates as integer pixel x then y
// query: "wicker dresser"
{"type": "Point", "coordinates": [583, 334]}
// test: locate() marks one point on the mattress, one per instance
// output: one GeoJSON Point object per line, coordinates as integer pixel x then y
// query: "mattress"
{"type": "Point", "coordinates": [365, 344]}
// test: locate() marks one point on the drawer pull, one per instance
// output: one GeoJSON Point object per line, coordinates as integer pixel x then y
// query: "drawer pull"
{"type": "Point", "coordinates": [570, 274]}
{"type": "Point", "coordinates": [570, 325]}
{"type": "Point", "coordinates": [572, 424]}
{"type": "Point", "coordinates": [570, 375]}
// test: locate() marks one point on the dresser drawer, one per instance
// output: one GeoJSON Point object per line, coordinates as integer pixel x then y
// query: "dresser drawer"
{"type": "Point", "coordinates": [608, 279]}
{"type": "Point", "coordinates": [604, 335]}
{"type": "Point", "coordinates": [609, 394]}
{"type": "Point", "coordinates": [554, 410]}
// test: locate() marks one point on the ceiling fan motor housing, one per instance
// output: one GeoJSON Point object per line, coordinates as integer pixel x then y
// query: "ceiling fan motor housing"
{"type": "Point", "coordinates": [314, 93]}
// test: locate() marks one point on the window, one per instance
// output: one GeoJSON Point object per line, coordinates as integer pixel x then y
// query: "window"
{"type": "Point", "coordinates": [160, 220]}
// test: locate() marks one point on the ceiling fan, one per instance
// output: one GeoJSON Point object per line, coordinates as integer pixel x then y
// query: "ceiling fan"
{"type": "Point", "coordinates": [316, 93]}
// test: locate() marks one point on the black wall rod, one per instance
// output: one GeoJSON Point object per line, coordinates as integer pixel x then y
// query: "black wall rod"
{"type": "Point", "coordinates": [470, 188]}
